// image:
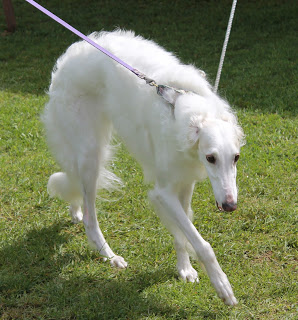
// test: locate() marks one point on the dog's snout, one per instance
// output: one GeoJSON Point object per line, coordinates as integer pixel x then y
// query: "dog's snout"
{"type": "Point", "coordinates": [229, 206]}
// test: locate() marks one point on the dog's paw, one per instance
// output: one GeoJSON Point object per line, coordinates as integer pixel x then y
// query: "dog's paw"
{"type": "Point", "coordinates": [188, 274]}
{"type": "Point", "coordinates": [224, 290]}
{"type": "Point", "coordinates": [118, 262]}
{"type": "Point", "coordinates": [76, 214]}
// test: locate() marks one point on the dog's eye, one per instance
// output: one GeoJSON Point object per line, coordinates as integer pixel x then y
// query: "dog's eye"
{"type": "Point", "coordinates": [211, 159]}
{"type": "Point", "coordinates": [237, 156]}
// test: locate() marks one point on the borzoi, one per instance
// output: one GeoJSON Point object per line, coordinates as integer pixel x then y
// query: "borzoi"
{"type": "Point", "coordinates": [178, 140]}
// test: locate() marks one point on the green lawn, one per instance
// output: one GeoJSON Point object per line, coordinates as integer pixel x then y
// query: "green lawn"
{"type": "Point", "coordinates": [47, 270]}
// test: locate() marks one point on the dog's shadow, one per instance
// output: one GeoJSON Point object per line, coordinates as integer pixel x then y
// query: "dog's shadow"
{"type": "Point", "coordinates": [30, 275]}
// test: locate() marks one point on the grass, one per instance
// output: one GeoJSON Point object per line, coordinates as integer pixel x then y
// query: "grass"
{"type": "Point", "coordinates": [47, 270]}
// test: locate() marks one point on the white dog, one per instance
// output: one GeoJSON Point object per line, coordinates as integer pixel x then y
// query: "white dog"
{"type": "Point", "coordinates": [178, 140]}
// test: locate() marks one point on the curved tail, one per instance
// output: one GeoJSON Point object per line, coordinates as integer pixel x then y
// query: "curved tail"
{"type": "Point", "coordinates": [62, 186]}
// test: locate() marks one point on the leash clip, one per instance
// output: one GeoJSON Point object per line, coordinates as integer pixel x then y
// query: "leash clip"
{"type": "Point", "coordinates": [141, 75]}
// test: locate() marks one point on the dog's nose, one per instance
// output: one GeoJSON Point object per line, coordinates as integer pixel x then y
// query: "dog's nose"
{"type": "Point", "coordinates": [229, 206]}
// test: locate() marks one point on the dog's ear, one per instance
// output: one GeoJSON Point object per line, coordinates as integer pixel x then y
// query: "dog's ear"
{"type": "Point", "coordinates": [189, 131]}
{"type": "Point", "coordinates": [195, 126]}
{"type": "Point", "coordinates": [169, 94]}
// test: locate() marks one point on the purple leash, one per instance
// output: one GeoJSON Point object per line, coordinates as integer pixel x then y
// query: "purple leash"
{"type": "Point", "coordinates": [81, 35]}
{"type": "Point", "coordinates": [161, 89]}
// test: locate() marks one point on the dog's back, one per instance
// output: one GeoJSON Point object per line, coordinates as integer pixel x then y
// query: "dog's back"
{"type": "Point", "coordinates": [89, 92]}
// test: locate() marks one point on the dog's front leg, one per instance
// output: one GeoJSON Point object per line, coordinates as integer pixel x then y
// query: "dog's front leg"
{"type": "Point", "coordinates": [184, 267]}
{"type": "Point", "coordinates": [173, 215]}
{"type": "Point", "coordinates": [182, 246]}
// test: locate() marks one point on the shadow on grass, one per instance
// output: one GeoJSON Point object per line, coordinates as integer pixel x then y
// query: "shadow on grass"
{"type": "Point", "coordinates": [38, 279]}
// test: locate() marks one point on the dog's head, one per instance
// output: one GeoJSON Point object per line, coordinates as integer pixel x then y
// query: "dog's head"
{"type": "Point", "coordinates": [209, 129]}
{"type": "Point", "coordinates": [219, 150]}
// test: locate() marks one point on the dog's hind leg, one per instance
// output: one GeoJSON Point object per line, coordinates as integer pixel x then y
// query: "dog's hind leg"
{"type": "Point", "coordinates": [89, 172]}
{"type": "Point", "coordinates": [76, 213]}
{"type": "Point", "coordinates": [63, 186]}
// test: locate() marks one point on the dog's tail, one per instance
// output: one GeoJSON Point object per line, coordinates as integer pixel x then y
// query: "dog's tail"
{"type": "Point", "coordinates": [62, 186]}
{"type": "Point", "coordinates": [66, 188]}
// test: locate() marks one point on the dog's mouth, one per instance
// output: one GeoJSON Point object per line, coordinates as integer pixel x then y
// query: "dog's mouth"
{"type": "Point", "coordinates": [219, 207]}
{"type": "Point", "coordinates": [227, 207]}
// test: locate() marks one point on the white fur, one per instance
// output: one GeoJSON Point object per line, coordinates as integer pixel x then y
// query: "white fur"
{"type": "Point", "coordinates": [90, 94]}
